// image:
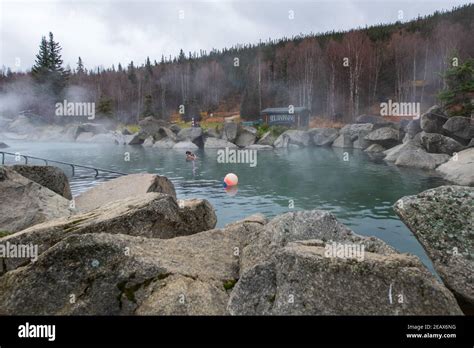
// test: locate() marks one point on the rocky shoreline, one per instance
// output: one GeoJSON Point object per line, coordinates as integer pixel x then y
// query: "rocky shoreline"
{"type": "Point", "coordinates": [117, 251]}
{"type": "Point", "coordinates": [432, 142]}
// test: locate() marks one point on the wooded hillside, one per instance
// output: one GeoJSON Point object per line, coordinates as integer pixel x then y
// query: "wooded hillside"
{"type": "Point", "coordinates": [337, 75]}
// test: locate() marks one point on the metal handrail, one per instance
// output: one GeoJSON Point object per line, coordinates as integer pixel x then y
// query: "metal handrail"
{"type": "Point", "coordinates": [73, 165]}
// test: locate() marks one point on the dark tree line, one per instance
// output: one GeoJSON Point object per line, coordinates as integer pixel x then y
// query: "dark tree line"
{"type": "Point", "coordinates": [336, 74]}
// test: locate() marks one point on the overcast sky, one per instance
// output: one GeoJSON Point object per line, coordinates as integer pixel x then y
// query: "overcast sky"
{"type": "Point", "coordinates": [107, 32]}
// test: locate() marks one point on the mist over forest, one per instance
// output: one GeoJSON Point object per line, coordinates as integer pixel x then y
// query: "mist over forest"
{"type": "Point", "coordinates": [336, 75]}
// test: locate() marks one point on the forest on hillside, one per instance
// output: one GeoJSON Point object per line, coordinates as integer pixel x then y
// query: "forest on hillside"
{"type": "Point", "coordinates": [337, 75]}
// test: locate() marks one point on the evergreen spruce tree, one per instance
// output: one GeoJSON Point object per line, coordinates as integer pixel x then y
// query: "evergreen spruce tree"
{"type": "Point", "coordinates": [148, 106]}
{"type": "Point", "coordinates": [48, 66]}
{"type": "Point", "coordinates": [132, 76]}
{"type": "Point", "coordinates": [40, 70]}
{"type": "Point", "coordinates": [80, 66]}
{"type": "Point", "coordinates": [105, 108]}
{"type": "Point", "coordinates": [58, 75]}
{"type": "Point", "coordinates": [457, 97]}
{"type": "Point", "coordinates": [148, 67]}
{"type": "Point", "coordinates": [182, 56]}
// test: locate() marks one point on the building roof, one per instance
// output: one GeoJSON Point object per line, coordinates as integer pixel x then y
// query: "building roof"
{"type": "Point", "coordinates": [297, 109]}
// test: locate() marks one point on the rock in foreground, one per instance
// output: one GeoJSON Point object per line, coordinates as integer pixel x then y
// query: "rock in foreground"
{"type": "Point", "coordinates": [152, 215]}
{"type": "Point", "coordinates": [460, 169]}
{"type": "Point", "coordinates": [442, 220]}
{"type": "Point", "coordinates": [302, 280]}
{"type": "Point", "coordinates": [119, 274]}
{"type": "Point", "coordinates": [248, 267]}
{"type": "Point", "coordinates": [47, 176]}
{"type": "Point", "coordinates": [126, 186]}
{"type": "Point", "coordinates": [287, 270]}
{"type": "Point", "coordinates": [24, 203]}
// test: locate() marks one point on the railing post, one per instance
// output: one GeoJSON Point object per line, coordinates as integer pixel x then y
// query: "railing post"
{"type": "Point", "coordinates": [72, 166]}
{"type": "Point", "coordinates": [3, 158]}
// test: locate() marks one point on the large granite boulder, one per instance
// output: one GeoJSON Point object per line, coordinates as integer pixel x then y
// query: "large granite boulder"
{"type": "Point", "coordinates": [437, 143]}
{"type": "Point", "coordinates": [343, 141]}
{"type": "Point", "coordinates": [294, 266]}
{"type": "Point", "coordinates": [111, 274]}
{"type": "Point", "coordinates": [442, 220]}
{"type": "Point", "coordinates": [214, 143]}
{"type": "Point", "coordinates": [25, 203]}
{"type": "Point", "coordinates": [229, 131]}
{"type": "Point", "coordinates": [165, 143]}
{"type": "Point", "coordinates": [247, 136]}
{"type": "Point", "coordinates": [147, 138]}
{"type": "Point", "coordinates": [353, 129]}
{"type": "Point", "coordinates": [150, 125]}
{"type": "Point", "coordinates": [293, 137]}
{"type": "Point", "coordinates": [302, 280]}
{"type": "Point", "coordinates": [131, 185]}
{"type": "Point", "coordinates": [323, 136]}
{"type": "Point", "coordinates": [460, 169]}
{"type": "Point", "coordinates": [152, 215]}
{"type": "Point", "coordinates": [460, 127]}
{"type": "Point", "coordinates": [432, 121]}
{"type": "Point", "coordinates": [47, 176]}
{"type": "Point", "coordinates": [419, 158]}
{"type": "Point", "coordinates": [191, 134]}
{"type": "Point", "coordinates": [152, 130]}
{"type": "Point", "coordinates": [185, 145]}
{"type": "Point", "coordinates": [164, 132]}
{"type": "Point", "coordinates": [267, 139]}
{"type": "Point", "coordinates": [385, 136]}
{"type": "Point", "coordinates": [413, 128]}
{"type": "Point", "coordinates": [297, 226]}
{"type": "Point", "coordinates": [393, 153]}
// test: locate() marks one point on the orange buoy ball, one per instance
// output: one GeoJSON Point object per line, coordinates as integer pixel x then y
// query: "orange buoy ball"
{"type": "Point", "coordinates": [231, 179]}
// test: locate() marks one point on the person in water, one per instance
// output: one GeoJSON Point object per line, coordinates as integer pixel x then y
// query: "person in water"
{"type": "Point", "coordinates": [190, 156]}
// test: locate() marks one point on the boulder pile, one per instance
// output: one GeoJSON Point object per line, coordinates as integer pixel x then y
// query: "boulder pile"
{"type": "Point", "coordinates": [147, 253]}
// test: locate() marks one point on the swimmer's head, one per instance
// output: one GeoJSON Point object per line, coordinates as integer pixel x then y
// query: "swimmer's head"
{"type": "Point", "coordinates": [188, 152]}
